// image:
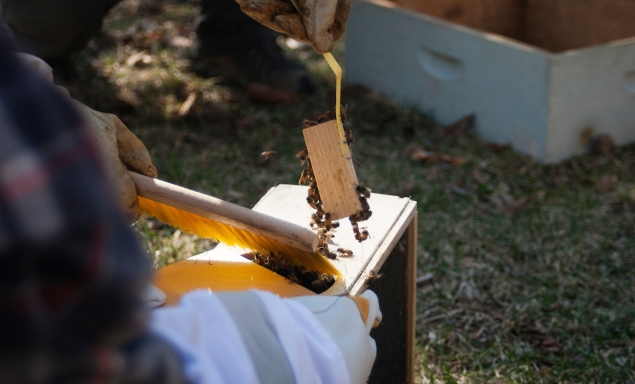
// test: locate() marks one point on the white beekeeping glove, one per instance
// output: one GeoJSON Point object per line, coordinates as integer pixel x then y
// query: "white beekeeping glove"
{"type": "Point", "coordinates": [348, 320]}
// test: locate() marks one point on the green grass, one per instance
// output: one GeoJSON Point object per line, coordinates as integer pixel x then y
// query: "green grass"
{"type": "Point", "coordinates": [542, 295]}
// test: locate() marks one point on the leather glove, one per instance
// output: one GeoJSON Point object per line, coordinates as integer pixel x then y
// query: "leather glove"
{"type": "Point", "coordinates": [348, 320]}
{"type": "Point", "coordinates": [321, 24]}
{"type": "Point", "coordinates": [121, 149]}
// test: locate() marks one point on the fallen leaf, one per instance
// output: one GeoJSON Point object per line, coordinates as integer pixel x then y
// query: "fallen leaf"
{"type": "Point", "coordinates": [550, 344]}
{"type": "Point", "coordinates": [425, 277]}
{"type": "Point", "coordinates": [420, 155]}
{"type": "Point", "coordinates": [506, 203]}
{"type": "Point", "coordinates": [459, 128]}
{"type": "Point", "coordinates": [497, 148]}
{"type": "Point", "coordinates": [459, 191]}
{"type": "Point", "coordinates": [406, 188]}
{"type": "Point", "coordinates": [479, 176]}
{"type": "Point", "coordinates": [263, 93]}
{"type": "Point", "coordinates": [606, 183]}
{"type": "Point", "coordinates": [242, 123]}
{"type": "Point", "coordinates": [187, 104]}
{"type": "Point", "coordinates": [453, 160]}
{"type": "Point", "coordinates": [136, 58]}
{"type": "Point", "coordinates": [180, 42]}
{"type": "Point", "coordinates": [604, 145]}
{"type": "Point", "coordinates": [355, 90]}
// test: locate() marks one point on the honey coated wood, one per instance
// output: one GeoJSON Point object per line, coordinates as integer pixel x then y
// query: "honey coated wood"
{"type": "Point", "coordinates": [333, 170]}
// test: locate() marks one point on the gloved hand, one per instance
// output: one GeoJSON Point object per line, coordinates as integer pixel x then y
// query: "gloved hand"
{"type": "Point", "coordinates": [121, 149]}
{"type": "Point", "coordinates": [321, 24]}
{"type": "Point", "coordinates": [348, 320]}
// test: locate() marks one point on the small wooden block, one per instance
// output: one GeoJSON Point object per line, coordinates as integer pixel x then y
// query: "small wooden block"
{"type": "Point", "coordinates": [333, 170]}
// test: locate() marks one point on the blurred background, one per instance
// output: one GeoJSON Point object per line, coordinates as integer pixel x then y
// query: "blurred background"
{"type": "Point", "coordinates": [526, 267]}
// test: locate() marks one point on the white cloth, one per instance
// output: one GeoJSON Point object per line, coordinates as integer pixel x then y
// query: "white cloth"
{"type": "Point", "coordinates": [154, 297]}
{"type": "Point", "coordinates": [341, 319]}
{"type": "Point", "coordinates": [206, 336]}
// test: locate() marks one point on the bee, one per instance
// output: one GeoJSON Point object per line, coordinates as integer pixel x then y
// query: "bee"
{"type": "Point", "coordinates": [330, 255]}
{"type": "Point", "coordinates": [316, 220]}
{"type": "Point", "coordinates": [326, 116]}
{"type": "Point", "coordinates": [314, 194]}
{"type": "Point", "coordinates": [365, 206]}
{"type": "Point", "coordinates": [373, 277]}
{"type": "Point", "coordinates": [345, 252]}
{"type": "Point", "coordinates": [303, 177]}
{"type": "Point", "coordinates": [349, 137]}
{"type": "Point", "coordinates": [302, 155]}
{"type": "Point", "coordinates": [266, 155]}
{"type": "Point", "coordinates": [311, 203]}
{"type": "Point", "coordinates": [361, 236]}
{"type": "Point", "coordinates": [323, 281]}
{"type": "Point", "coordinates": [363, 190]}
{"type": "Point", "coordinates": [343, 109]}
{"type": "Point", "coordinates": [309, 123]}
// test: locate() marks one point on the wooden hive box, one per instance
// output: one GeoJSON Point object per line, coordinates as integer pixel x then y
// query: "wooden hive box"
{"type": "Point", "coordinates": [545, 76]}
{"type": "Point", "coordinates": [394, 221]}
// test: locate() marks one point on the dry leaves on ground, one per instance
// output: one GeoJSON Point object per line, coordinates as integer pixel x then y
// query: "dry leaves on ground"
{"type": "Point", "coordinates": [606, 183]}
{"type": "Point", "coordinates": [263, 93]}
{"type": "Point", "coordinates": [459, 128]}
{"type": "Point", "coordinates": [497, 148]}
{"type": "Point", "coordinates": [418, 154]}
{"type": "Point", "coordinates": [604, 145]}
{"type": "Point", "coordinates": [507, 204]}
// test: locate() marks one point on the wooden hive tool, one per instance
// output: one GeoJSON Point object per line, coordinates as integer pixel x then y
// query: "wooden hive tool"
{"type": "Point", "coordinates": [231, 224]}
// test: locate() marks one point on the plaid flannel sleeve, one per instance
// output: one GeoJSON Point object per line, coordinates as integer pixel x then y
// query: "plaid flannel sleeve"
{"type": "Point", "coordinates": [72, 275]}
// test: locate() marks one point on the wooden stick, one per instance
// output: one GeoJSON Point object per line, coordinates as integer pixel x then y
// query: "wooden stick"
{"type": "Point", "coordinates": [224, 212]}
{"type": "Point", "coordinates": [333, 170]}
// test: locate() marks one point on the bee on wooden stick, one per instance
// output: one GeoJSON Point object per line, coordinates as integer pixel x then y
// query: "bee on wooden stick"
{"type": "Point", "coordinates": [326, 116]}
{"type": "Point", "coordinates": [309, 123]}
{"type": "Point", "coordinates": [345, 252]}
{"type": "Point", "coordinates": [363, 190]}
{"type": "Point", "coordinates": [349, 137]}
{"type": "Point", "coordinates": [302, 155]}
{"type": "Point", "coordinates": [303, 177]}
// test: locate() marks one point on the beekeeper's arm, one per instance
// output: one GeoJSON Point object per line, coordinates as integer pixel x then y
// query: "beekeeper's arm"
{"type": "Point", "coordinates": [121, 150]}
{"type": "Point", "coordinates": [256, 337]}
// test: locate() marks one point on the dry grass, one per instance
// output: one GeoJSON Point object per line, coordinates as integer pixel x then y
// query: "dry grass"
{"type": "Point", "coordinates": [527, 271]}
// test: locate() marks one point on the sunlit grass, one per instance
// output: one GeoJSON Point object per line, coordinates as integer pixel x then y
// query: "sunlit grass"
{"type": "Point", "coordinates": [545, 294]}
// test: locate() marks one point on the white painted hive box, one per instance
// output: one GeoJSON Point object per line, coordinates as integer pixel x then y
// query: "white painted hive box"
{"type": "Point", "coordinates": [545, 76]}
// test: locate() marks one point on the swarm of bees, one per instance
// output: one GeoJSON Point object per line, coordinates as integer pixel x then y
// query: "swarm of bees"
{"type": "Point", "coordinates": [321, 220]}
{"type": "Point", "coordinates": [276, 262]}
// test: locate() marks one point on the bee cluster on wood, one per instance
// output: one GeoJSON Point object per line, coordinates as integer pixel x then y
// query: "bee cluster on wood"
{"type": "Point", "coordinates": [276, 262]}
{"type": "Point", "coordinates": [321, 220]}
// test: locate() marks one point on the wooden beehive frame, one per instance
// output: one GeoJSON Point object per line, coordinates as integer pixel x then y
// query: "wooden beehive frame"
{"type": "Point", "coordinates": [333, 168]}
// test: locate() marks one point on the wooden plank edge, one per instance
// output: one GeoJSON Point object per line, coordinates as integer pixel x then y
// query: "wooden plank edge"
{"type": "Point", "coordinates": [381, 248]}
{"type": "Point", "coordinates": [411, 299]}
{"type": "Point", "coordinates": [375, 262]}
